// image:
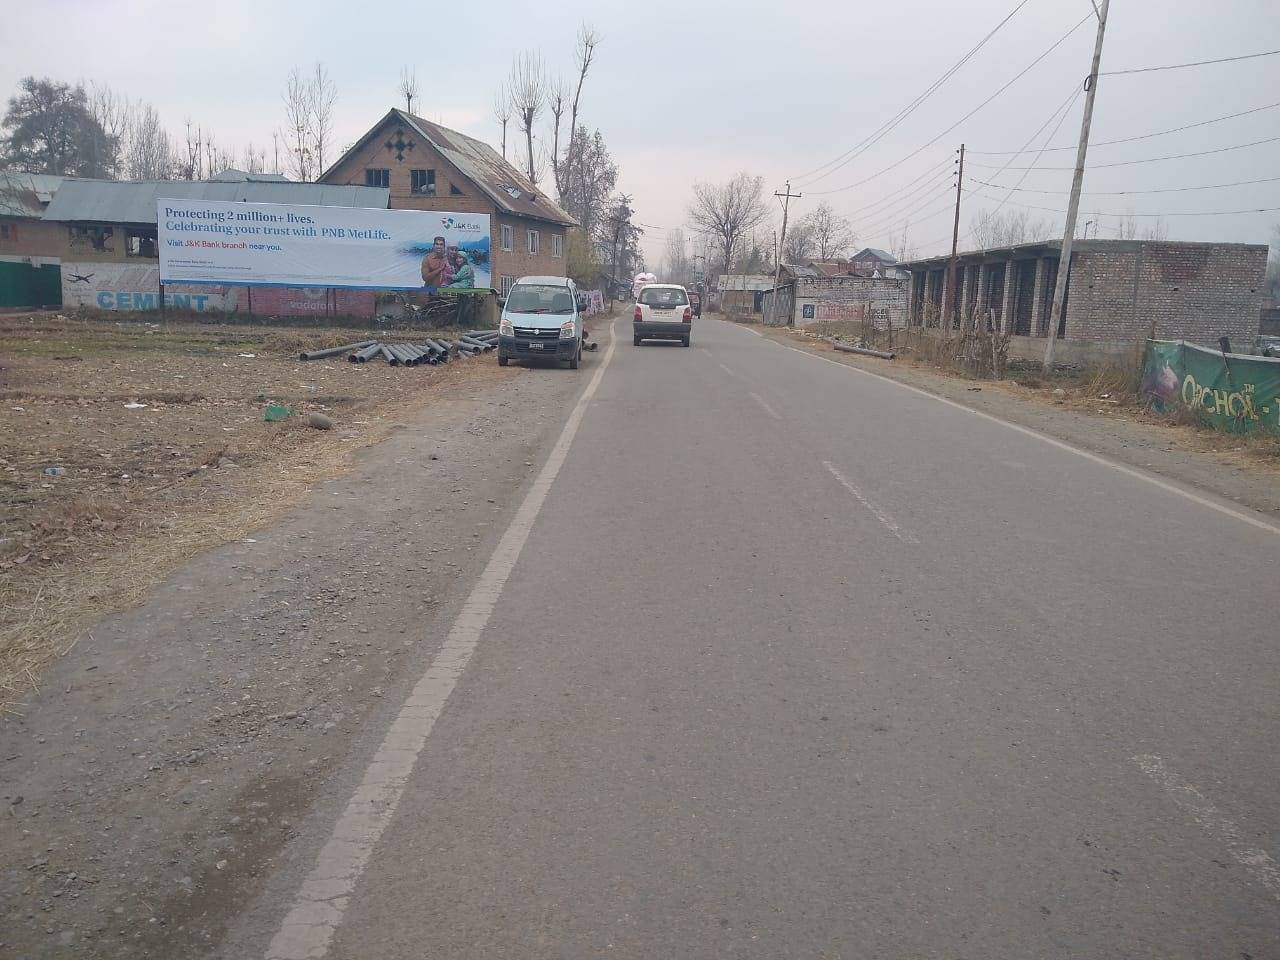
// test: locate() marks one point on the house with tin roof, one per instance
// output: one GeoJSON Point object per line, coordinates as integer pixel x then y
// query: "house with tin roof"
{"type": "Point", "coordinates": [426, 166]}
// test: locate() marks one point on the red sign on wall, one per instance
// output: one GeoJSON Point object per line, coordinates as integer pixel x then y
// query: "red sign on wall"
{"type": "Point", "coordinates": [309, 302]}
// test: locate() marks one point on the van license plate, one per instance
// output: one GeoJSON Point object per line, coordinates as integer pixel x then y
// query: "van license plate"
{"type": "Point", "coordinates": [535, 346]}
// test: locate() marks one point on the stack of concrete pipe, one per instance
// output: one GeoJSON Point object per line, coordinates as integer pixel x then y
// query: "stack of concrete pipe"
{"type": "Point", "coordinates": [428, 350]}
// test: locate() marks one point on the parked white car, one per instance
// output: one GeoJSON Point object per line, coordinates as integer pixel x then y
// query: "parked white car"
{"type": "Point", "coordinates": [663, 312]}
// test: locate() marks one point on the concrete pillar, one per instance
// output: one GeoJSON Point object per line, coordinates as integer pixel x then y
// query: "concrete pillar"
{"type": "Point", "coordinates": [983, 296]}
{"type": "Point", "coordinates": [1037, 308]}
{"type": "Point", "coordinates": [1010, 297]}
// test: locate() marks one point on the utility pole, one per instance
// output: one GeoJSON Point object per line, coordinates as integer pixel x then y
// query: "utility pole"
{"type": "Point", "coordinates": [786, 198]}
{"type": "Point", "coordinates": [1068, 233]}
{"type": "Point", "coordinates": [949, 295]}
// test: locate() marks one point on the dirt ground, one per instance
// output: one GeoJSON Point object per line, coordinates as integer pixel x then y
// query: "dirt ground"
{"type": "Point", "coordinates": [1245, 469]}
{"type": "Point", "coordinates": [161, 770]}
{"type": "Point", "coordinates": [128, 445]}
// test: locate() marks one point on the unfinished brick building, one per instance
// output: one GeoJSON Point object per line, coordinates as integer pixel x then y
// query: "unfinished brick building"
{"type": "Point", "coordinates": [1119, 290]}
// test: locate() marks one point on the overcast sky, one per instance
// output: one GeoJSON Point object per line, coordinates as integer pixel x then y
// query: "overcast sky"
{"type": "Point", "coordinates": [685, 92]}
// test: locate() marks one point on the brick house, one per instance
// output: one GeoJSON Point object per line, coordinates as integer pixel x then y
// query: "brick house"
{"type": "Point", "coordinates": [1118, 291]}
{"type": "Point", "coordinates": [29, 247]}
{"type": "Point", "coordinates": [430, 167]}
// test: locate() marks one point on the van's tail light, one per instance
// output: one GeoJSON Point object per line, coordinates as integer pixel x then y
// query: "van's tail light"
{"type": "Point", "coordinates": [638, 315]}
{"type": "Point", "coordinates": [688, 314]}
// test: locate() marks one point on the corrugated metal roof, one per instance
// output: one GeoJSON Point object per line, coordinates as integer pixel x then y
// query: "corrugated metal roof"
{"type": "Point", "coordinates": [745, 281]}
{"type": "Point", "coordinates": [27, 194]}
{"type": "Point", "coordinates": [501, 182]}
{"type": "Point", "coordinates": [134, 201]}
{"type": "Point", "coordinates": [236, 175]}
{"type": "Point", "coordinates": [800, 270]}
{"type": "Point", "coordinates": [877, 253]}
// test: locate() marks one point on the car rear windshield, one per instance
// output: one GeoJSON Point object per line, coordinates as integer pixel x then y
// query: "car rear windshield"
{"type": "Point", "coordinates": [538, 298]}
{"type": "Point", "coordinates": [663, 297]}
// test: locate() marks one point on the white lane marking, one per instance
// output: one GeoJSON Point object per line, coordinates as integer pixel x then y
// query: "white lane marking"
{"type": "Point", "coordinates": [726, 369]}
{"type": "Point", "coordinates": [767, 409]}
{"type": "Point", "coordinates": [317, 911]}
{"type": "Point", "coordinates": [879, 514]}
{"type": "Point", "coordinates": [1257, 862]}
{"type": "Point", "coordinates": [1061, 445]}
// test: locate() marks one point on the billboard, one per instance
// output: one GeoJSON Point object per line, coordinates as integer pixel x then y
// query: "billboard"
{"type": "Point", "coordinates": [135, 286]}
{"type": "Point", "coordinates": [285, 245]}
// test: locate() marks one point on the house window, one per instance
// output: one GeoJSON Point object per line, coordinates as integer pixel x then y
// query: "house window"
{"type": "Point", "coordinates": [423, 181]}
{"type": "Point", "coordinates": [95, 237]}
{"type": "Point", "coordinates": [533, 242]}
{"type": "Point", "coordinates": [508, 238]}
{"type": "Point", "coordinates": [507, 284]}
{"type": "Point", "coordinates": [557, 245]}
{"type": "Point", "coordinates": [8, 231]}
{"type": "Point", "coordinates": [377, 178]}
{"type": "Point", "coordinates": [454, 191]}
{"type": "Point", "coordinates": [140, 243]}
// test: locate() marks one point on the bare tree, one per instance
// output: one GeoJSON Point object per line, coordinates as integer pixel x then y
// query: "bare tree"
{"type": "Point", "coordinates": [676, 265]}
{"type": "Point", "coordinates": [588, 39]}
{"type": "Point", "coordinates": [832, 235]}
{"type": "Point", "coordinates": [502, 112]}
{"type": "Point", "coordinates": [114, 114]}
{"type": "Point", "coordinates": [408, 88]}
{"type": "Point", "coordinates": [322, 96]}
{"type": "Point", "coordinates": [191, 162]}
{"type": "Point", "coordinates": [216, 158]}
{"type": "Point", "coordinates": [1158, 230]}
{"type": "Point", "coordinates": [728, 211]}
{"type": "Point", "coordinates": [1126, 227]}
{"type": "Point", "coordinates": [996, 229]}
{"type": "Point", "coordinates": [528, 86]}
{"type": "Point", "coordinates": [799, 246]}
{"type": "Point", "coordinates": [557, 101]}
{"type": "Point", "coordinates": [255, 160]}
{"type": "Point", "coordinates": [297, 132]}
{"type": "Point", "coordinates": [148, 151]}
{"type": "Point", "coordinates": [901, 247]}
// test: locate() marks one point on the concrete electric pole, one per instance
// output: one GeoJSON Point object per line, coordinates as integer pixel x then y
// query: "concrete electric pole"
{"type": "Point", "coordinates": [1073, 207]}
{"type": "Point", "coordinates": [949, 295]}
{"type": "Point", "coordinates": [786, 197]}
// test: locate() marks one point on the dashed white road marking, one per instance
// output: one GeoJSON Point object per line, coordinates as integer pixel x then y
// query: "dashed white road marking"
{"type": "Point", "coordinates": [726, 369]}
{"type": "Point", "coordinates": [1257, 862]}
{"type": "Point", "coordinates": [317, 911]}
{"type": "Point", "coordinates": [879, 514]}
{"type": "Point", "coordinates": [764, 406]}
{"type": "Point", "coordinates": [1253, 521]}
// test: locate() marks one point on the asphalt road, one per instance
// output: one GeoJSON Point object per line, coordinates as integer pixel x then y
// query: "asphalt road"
{"type": "Point", "coordinates": [791, 661]}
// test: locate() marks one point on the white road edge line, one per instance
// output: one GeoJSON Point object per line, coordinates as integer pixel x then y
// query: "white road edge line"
{"type": "Point", "coordinates": [317, 911]}
{"type": "Point", "coordinates": [879, 514]}
{"type": "Point", "coordinates": [1061, 445]}
{"type": "Point", "coordinates": [1257, 862]}
{"type": "Point", "coordinates": [767, 409]}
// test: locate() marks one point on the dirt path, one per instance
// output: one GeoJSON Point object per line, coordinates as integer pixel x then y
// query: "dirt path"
{"type": "Point", "coordinates": [165, 761]}
{"type": "Point", "coordinates": [1212, 462]}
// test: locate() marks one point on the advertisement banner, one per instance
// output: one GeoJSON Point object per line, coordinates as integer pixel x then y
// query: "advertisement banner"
{"type": "Point", "coordinates": [284, 245]}
{"type": "Point", "coordinates": [1233, 392]}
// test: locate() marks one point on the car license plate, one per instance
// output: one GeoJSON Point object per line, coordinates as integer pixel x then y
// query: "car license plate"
{"type": "Point", "coordinates": [535, 346]}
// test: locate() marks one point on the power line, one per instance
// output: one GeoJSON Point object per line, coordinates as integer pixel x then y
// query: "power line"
{"type": "Point", "coordinates": [946, 181]}
{"type": "Point", "coordinates": [1104, 213]}
{"type": "Point", "coordinates": [1145, 136]}
{"type": "Point", "coordinates": [949, 161]}
{"type": "Point", "coordinates": [926, 146]}
{"type": "Point", "coordinates": [1124, 193]}
{"type": "Point", "coordinates": [1197, 63]}
{"type": "Point", "coordinates": [1129, 163]}
{"type": "Point", "coordinates": [879, 224]}
{"type": "Point", "coordinates": [880, 132]}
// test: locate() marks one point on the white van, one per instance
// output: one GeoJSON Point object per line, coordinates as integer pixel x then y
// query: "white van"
{"type": "Point", "coordinates": [542, 317]}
